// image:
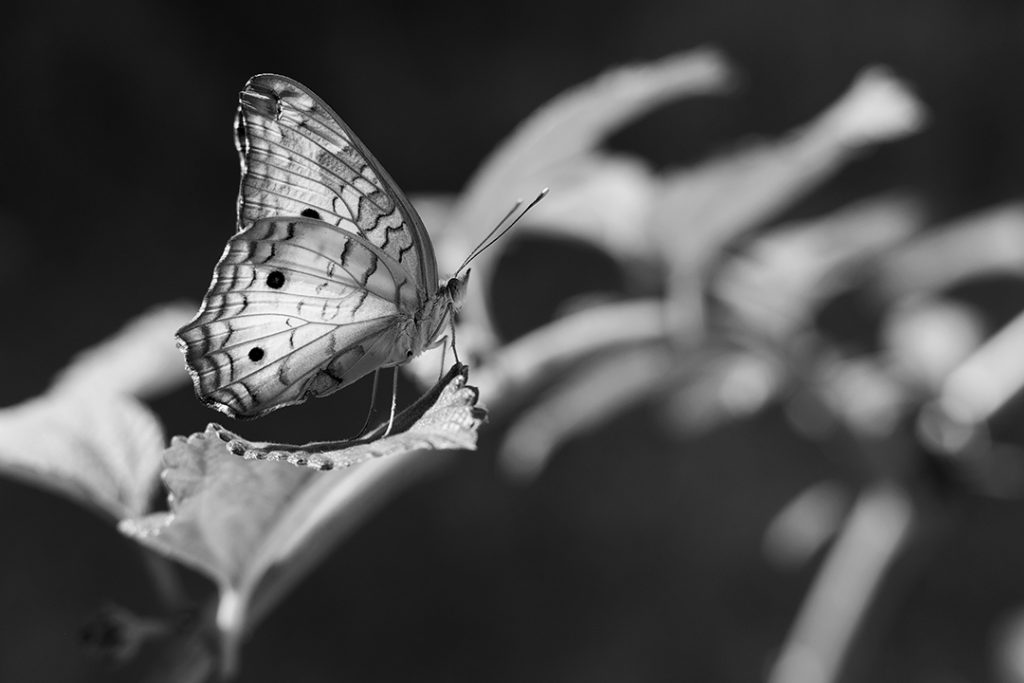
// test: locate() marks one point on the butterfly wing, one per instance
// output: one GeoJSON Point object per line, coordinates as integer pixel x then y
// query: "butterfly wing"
{"type": "Point", "coordinates": [297, 308]}
{"type": "Point", "coordinates": [299, 159]}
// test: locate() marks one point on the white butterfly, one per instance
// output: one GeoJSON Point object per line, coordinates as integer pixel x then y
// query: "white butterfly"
{"type": "Point", "coordinates": [331, 274]}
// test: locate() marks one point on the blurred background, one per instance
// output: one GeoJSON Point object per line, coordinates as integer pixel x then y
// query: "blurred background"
{"type": "Point", "coordinates": [638, 553]}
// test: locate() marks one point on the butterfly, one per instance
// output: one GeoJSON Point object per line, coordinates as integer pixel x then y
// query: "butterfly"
{"type": "Point", "coordinates": [331, 274]}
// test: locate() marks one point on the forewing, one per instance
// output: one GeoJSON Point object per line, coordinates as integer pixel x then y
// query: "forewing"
{"type": "Point", "coordinates": [297, 309]}
{"type": "Point", "coordinates": [299, 158]}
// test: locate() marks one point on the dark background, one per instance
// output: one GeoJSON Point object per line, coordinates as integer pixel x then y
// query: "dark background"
{"type": "Point", "coordinates": [633, 558]}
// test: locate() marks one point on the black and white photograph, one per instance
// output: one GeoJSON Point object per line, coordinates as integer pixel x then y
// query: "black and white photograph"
{"type": "Point", "coordinates": [565, 342]}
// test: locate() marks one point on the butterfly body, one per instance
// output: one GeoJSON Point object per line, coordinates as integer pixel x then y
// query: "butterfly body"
{"type": "Point", "coordinates": [331, 274]}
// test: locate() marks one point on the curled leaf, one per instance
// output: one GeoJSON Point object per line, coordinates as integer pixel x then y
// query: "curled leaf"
{"type": "Point", "coordinates": [445, 418]}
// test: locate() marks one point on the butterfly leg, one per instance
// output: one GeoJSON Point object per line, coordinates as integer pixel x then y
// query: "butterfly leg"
{"type": "Point", "coordinates": [373, 401]}
{"type": "Point", "coordinates": [451, 326]}
{"type": "Point", "coordinates": [444, 354]}
{"type": "Point", "coordinates": [394, 399]}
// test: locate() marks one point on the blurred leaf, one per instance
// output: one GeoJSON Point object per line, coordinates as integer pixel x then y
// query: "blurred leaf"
{"type": "Point", "coordinates": [103, 452]}
{"type": "Point", "coordinates": [984, 243]}
{"type": "Point", "coordinates": [140, 359]}
{"type": "Point", "coordinates": [806, 524]}
{"type": "Point", "coordinates": [598, 390]}
{"type": "Point", "coordinates": [988, 378]}
{"type": "Point", "coordinates": [875, 535]}
{"type": "Point", "coordinates": [518, 369]}
{"type": "Point", "coordinates": [725, 385]}
{"type": "Point", "coordinates": [704, 208]}
{"type": "Point", "coordinates": [927, 338]}
{"type": "Point", "coordinates": [1008, 646]}
{"type": "Point", "coordinates": [777, 284]}
{"type": "Point", "coordinates": [87, 438]}
{"type": "Point", "coordinates": [865, 394]}
{"type": "Point", "coordinates": [603, 200]}
{"type": "Point", "coordinates": [560, 132]}
{"type": "Point", "coordinates": [435, 210]}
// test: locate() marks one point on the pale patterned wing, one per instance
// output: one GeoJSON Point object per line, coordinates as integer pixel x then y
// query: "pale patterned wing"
{"type": "Point", "coordinates": [297, 309]}
{"type": "Point", "coordinates": [299, 158]}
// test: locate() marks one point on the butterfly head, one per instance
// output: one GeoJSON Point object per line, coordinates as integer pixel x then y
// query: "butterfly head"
{"type": "Point", "coordinates": [455, 289]}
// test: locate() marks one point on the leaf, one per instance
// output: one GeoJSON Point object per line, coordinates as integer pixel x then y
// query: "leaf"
{"type": "Point", "coordinates": [220, 507]}
{"type": "Point", "coordinates": [519, 367]}
{"type": "Point", "coordinates": [704, 208]}
{"type": "Point", "coordinates": [989, 242]}
{"type": "Point", "coordinates": [776, 284]}
{"type": "Point", "coordinates": [221, 511]}
{"type": "Point", "coordinates": [594, 393]}
{"type": "Point", "coordinates": [87, 438]}
{"type": "Point", "coordinates": [435, 209]}
{"type": "Point", "coordinates": [236, 520]}
{"type": "Point", "coordinates": [987, 379]}
{"type": "Point", "coordinates": [601, 199]}
{"type": "Point", "coordinates": [927, 338]}
{"type": "Point", "coordinates": [103, 453]}
{"type": "Point", "coordinates": [805, 524]}
{"type": "Point", "coordinates": [444, 418]}
{"type": "Point", "coordinates": [726, 384]}
{"type": "Point", "coordinates": [140, 359]}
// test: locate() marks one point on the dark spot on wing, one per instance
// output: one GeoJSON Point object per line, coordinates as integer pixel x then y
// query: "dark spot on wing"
{"type": "Point", "coordinates": [275, 280]}
{"type": "Point", "coordinates": [311, 213]}
{"type": "Point", "coordinates": [256, 354]}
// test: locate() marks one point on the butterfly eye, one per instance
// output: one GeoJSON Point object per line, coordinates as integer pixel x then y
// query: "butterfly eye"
{"type": "Point", "coordinates": [255, 354]}
{"type": "Point", "coordinates": [275, 280]}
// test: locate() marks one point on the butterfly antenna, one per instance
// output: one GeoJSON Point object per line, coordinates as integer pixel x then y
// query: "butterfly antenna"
{"type": "Point", "coordinates": [491, 238]}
